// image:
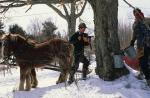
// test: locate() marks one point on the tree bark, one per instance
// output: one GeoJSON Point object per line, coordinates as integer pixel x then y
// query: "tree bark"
{"type": "Point", "coordinates": [107, 41]}
{"type": "Point", "coordinates": [71, 20]}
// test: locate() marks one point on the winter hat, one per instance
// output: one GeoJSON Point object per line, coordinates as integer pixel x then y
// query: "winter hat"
{"type": "Point", "coordinates": [82, 25]}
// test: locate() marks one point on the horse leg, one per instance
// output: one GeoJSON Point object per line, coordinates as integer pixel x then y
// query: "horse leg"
{"type": "Point", "coordinates": [28, 80]}
{"type": "Point", "coordinates": [65, 70]}
{"type": "Point", "coordinates": [62, 77]}
{"type": "Point", "coordinates": [21, 84]}
{"type": "Point", "coordinates": [22, 79]}
{"type": "Point", "coordinates": [34, 80]}
{"type": "Point", "coordinates": [67, 67]}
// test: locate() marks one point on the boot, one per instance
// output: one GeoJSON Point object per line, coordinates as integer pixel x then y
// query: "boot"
{"type": "Point", "coordinates": [84, 74]}
{"type": "Point", "coordinates": [71, 80]}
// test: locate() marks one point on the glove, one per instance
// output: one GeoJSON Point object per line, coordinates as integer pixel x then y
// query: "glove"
{"type": "Point", "coordinates": [132, 43]}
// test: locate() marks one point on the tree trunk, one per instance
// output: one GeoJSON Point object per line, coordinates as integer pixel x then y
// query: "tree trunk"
{"type": "Point", "coordinates": [107, 41]}
{"type": "Point", "coordinates": [71, 27]}
{"type": "Point", "coordinates": [71, 20]}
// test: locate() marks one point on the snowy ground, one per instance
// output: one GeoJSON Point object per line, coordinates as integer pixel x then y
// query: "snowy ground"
{"type": "Point", "coordinates": [125, 87]}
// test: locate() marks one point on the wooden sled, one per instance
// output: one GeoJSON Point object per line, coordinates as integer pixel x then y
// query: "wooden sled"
{"type": "Point", "coordinates": [57, 68]}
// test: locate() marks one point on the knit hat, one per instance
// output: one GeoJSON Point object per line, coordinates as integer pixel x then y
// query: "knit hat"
{"type": "Point", "coordinates": [82, 25]}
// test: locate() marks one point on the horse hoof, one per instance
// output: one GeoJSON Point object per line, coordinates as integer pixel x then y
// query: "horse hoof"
{"type": "Point", "coordinates": [58, 82]}
{"type": "Point", "coordinates": [27, 89]}
{"type": "Point", "coordinates": [34, 86]}
{"type": "Point", "coordinates": [21, 89]}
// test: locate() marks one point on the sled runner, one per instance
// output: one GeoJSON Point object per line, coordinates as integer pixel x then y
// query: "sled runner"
{"type": "Point", "coordinates": [57, 68]}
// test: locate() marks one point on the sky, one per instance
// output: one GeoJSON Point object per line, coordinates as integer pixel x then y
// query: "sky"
{"type": "Point", "coordinates": [43, 12]}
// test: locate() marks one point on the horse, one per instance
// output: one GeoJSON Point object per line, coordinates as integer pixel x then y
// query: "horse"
{"type": "Point", "coordinates": [30, 55]}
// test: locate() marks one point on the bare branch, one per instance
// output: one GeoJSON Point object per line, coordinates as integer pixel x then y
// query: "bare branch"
{"type": "Point", "coordinates": [6, 4]}
{"type": "Point", "coordinates": [57, 11]}
{"type": "Point", "coordinates": [80, 13]}
{"type": "Point", "coordinates": [39, 1]}
{"type": "Point", "coordinates": [29, 8]}
{"type": "Point", "coordinates": [66, 11]}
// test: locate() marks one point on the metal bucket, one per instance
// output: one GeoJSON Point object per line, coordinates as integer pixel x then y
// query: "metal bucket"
{"type": "Point", "coordinates": [118, 62]}
{"type": "Point", "coordinates": [130, 52]}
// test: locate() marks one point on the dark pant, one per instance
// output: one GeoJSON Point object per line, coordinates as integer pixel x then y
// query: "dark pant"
{"type": "Point", "coordinates": [78, 59]}
{"type": "Point", "coordinates": [144, 63]}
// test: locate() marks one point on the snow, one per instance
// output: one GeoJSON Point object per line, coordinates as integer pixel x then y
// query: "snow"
{"type": "Point", "coordinates": [125, 87]}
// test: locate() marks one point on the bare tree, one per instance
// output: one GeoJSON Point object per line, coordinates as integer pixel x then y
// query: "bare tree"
{"type": "Point", "coordinates": [35, 27]}
{"type": "Point", "coordinates": [70, 16]}
{"type": "Point", "coordinates": [125, 34]}
{"type": "Point", "coordinates": [41, 31]}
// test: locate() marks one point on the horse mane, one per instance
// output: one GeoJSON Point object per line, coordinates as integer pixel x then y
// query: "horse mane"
{"type": "Point", "coordinates": [23, 40]}
{"type": "Point", "coordinates": [34, 43]}
{"type": "Point", "coordinates": [55, 41]}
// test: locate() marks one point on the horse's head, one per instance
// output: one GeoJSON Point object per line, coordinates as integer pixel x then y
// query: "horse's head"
{"type": "Point", "coordinates": [8, 41]}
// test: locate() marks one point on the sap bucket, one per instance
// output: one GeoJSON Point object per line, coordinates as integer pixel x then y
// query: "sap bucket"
{"type": "Point", "coordinates": [130, 52]}
{"type": "Point", "coordinates": [118, 62]}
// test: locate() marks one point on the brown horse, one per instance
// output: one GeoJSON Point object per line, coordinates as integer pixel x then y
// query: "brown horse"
{"type": "Point", "coordinates": [30, 55]}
